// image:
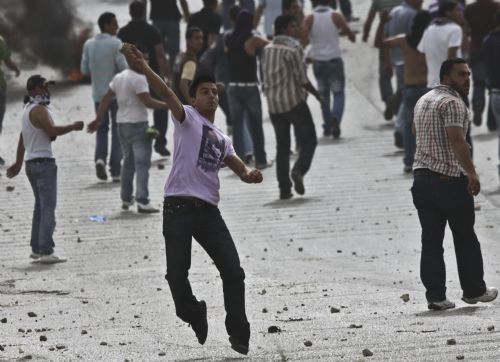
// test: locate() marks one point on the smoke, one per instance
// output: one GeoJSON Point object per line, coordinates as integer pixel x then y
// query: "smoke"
{"type": "Point", "coordinates": [42, 31]}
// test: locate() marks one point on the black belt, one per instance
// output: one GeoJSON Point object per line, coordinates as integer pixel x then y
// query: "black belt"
{"type": "Point", "coordinates": [41, 160]}
{"type": "Point", "coordinates": [429, 173]}
{"type": "Point", "coordinates": [186, 201]}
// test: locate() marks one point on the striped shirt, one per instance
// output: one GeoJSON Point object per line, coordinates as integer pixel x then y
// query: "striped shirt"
{"type": "Point", "coordinates": [284, 74]}
{"type": "Point", "coordinates": [440, 108]}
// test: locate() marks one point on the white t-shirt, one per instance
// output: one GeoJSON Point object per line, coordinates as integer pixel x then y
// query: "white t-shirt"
{"type": "Point", "coordinates": [435, 43]}
{"type": "Point", "coordinates": [199, 152]}
{"type": "Point", "coordinates": [127, 85]}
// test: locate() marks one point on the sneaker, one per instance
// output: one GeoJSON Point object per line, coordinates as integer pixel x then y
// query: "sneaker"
{"type": "Point", "coordinates": [408, 169]}
{"type": "Point", "coordinates": [162, 150]}
{"type": "Point", "coordinates": [488, 296]}
{"type": "Point", "coordinates": [200, 327]}
{"type": "Point", "coordinates": [35, 256]}
{"type": "Point", "coordinates": [238, 346]}
{"type": "Point", "coordinates": [398, 139]}
{"type": "Point", "coordinates": [146, 208]}
{"type": "Point", "coordinates": [477, 118]}
{"type": "Point", "coordinates": [298, 183]}
{"type": "Point", "coordinates": [327, 132]}
{"type": "Point", "coordinates": [336, 129]}
{"type": "Point", "coordinates": [443, 305]}
{"type": "Point", "coordinates": [115, 179]}
{"type": "Point", "coordinates": [126, 204]}
{"type": "Point", "coordinates": [248, 158]}
{"type": "Point", "coordinates": [100, 170]}
{"type": "Point", "coordinates": [286, 195]}
{"type": "Point", "coordinates": [51, 259]}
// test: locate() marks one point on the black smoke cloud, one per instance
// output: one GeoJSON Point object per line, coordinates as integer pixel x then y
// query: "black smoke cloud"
{"type": "Point", "coordinates": [41, 30]}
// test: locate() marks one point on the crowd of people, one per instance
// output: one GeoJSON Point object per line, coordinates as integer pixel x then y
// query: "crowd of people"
{"type": "Point", "coordinates": [141, 66]}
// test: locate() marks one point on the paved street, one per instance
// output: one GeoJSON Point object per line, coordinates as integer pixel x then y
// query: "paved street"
{"type": "Point", "coordinates": [327, 269]}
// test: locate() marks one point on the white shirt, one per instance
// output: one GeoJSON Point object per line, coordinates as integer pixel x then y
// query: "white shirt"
{"type": "Point", "coordinates": [36, 141]}
{"type": "Point", "coordinates": [324, 35]}
{"type": "Point", "coordinates": [127, 85]}
{"type": "Point", "coordinates": [435, 43]}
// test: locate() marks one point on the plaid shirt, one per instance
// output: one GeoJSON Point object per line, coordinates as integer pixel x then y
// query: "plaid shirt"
{"type": "Point", "coordinates": [440, 108]}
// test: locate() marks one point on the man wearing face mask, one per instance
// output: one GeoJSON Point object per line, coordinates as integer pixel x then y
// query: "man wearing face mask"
{"type": "Point", "coordinates": [38, 133]}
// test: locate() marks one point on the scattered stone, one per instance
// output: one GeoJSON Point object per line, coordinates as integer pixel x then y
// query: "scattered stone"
{"type": "Point", "coordinates": [27, 357]}
{"type": "Point", "coordinates": [60, 346]}
{"type": "Point", "coordinates": [161, 166]}
{"type": "Point", "coordinates": [3, 320]}
{"type": "Point", "coordinates": [161, 354]}
{"type": "Point", "coordinates": [264, 310]}
{"type": "Point", "coordinates": [32, 314]}
{"type": "Point", "coordinates": [43, 338]}
{"type": "Point", "coordinates": [460, 357]}
{"type": "Point", "coordinates": [367, 353]}
{"type": "Point", "coordinates": [10, 188]}
{"type": "Point", "coordinates": [146, 257]}
{"type": "Point", "coordinates": [405, 297]}
{"type": "Point", "coordinates": [451, 342]}
{"type": "Point", "coordinates": [103, 343]}
{"type": "Point", "coordinates": [300, 249]}
{"type": "Point", "coordinates": [84, 332]}
{"type": "Point", "coordinates": [52, 349]}
{"type": "Point", "coordinates": [273, 329]}
{"type": "Point", "coordinates": [334, 310]}
{"type": "Point", "coordinates": [262, 292]}
{"type": "Point", "coordinates": [356, 326]}
{"type": "Point", "coordinates": [21, 330]}
{"type": "Point", "coordinates": [491, 328]}
{"type": "Point", "coordinates": [85, 302]}
{"type": "Point", "coordinates": [1, 348]}
{"type": "Point", "coordinates": [308, 343]}
{"type": "Point", "coordinates": [78, 240]}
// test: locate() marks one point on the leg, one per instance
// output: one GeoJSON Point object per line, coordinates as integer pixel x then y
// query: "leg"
{"type": "Point", "coordinates": [337, 85]}
{"type": "Point", "coordinates": [306, 137]}
{"type": "Point", "coordinates": [479, 87]}
{"type": "Point", "coordinates": [399, 70]}
{"type": "Point", "coordinates": [101, 141]}
{"type": "Point", "coordinates": [173, 40]}
{"type": "Point", "coordinates": [35, 224]}
{"type": "Point", "coordinates": [116, 152]}
{"type": "Point", "coordinates": [321, 74]}
{"type": "Point", "coordinates": [253, 108]}
{"type": "Point", "coordinates": [384, 81]}
{"type": "Point", "coordinates": [237, 116]}
{"type": "Point", "coordinates": [495, 109]}
{"type": "Point", "coordinates": [224, 105]}
{"type": "Point", "coordinates": [141, 146]}
{"type": "Point", "coordinates": [177, 230]}
{"type": "Point", "coordinates": [281, 124]}
{"type": "Point", "coordinates": [128, 169]}
{"type": "Point", "coordinates": [433, 222]}
{"type": "Point", "coordinates": [458, 205]}
{"type": "Point", "coordinates": [346, 8]}
{"type": "Point", "coordinates": [214, 237]}
{"type": "Point", "coordinates": [160, 118]}
{"type": "Point", "coordinates": [3, 99]}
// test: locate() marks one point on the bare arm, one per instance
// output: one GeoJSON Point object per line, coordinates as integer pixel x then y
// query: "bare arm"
{"type": "Point", "coordinates": [462, 152]}
{"type": "Point", "coordinates": [150, 102]}
{"type": "Point", "coordinates": [185, 9]}
{"type": "Point", "coordinates": [311, 89]}
{"type": "Point", "coordinates": [258, 15]}
{"type": "Point", "coordinates": [13, 170]}
{"type": "Point", "coordinates": [101, 111]}
{"type": "Point", "coordinates": [452, 52]}
{"type": "Point", "coordinates": [306, 29]}
{"type": "Point", "coordinates": [40, 118]}
{"type": "Point", "coordinates": [12, 66]}
{"type": "Point", "coordinates": [368, 24]}
{"type": "Point", "coordinates": [255, 43]}
{"type": "Point", "coordinates": [250, 176]}
{"type": "Point", "coordinates": [394, 41]}
{"type": "Point", "coordinates": [339, 21]}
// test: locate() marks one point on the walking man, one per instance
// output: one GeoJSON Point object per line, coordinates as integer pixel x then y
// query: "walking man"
{"type": "Point", "coordinates": [285, 85]}
{"type": "Point", "coordinates": [101, 60]}
{"type": "Point", "coordinates": [190, 208]}
{"type": "Point", "coordinates": [321, 29]}
{"type": "Point", "coordinates": [445, 182]}
{"type": "Point", "coordinates": [38, 133]}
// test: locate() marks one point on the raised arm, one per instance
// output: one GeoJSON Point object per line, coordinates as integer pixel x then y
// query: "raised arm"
{"type": "Point", "coordinates": [185, 9]}
{"type": "Point", "coordinates": [160, 87]}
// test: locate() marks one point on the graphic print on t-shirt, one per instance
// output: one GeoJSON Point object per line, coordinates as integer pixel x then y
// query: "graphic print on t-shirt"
{"type": "Point", "coordinates": [211, 152]}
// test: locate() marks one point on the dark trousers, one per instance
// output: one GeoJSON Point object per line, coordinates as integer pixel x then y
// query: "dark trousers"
{"type": "Point", "coordinates": [440, 200]}
{"type": "Point", "coordinates": [160, 118]}
{"type": "Point", "coordinates": [184, 219]}
{"type": "Point", "coordinates": [300, 117]}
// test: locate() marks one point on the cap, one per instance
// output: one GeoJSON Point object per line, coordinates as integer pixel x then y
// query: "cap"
{"type": "Point", "coordinates": [37, 81]}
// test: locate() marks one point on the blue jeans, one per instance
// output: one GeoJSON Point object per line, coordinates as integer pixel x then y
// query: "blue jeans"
{"type": "Point", "coordinates": [171, 34]}
{"type": "Point", "coordinates": [3, 100]}
{"type": "Point", "coordinates": [184, 219]}
{"type": "Point", "coordinates": [245, 104]}
{"type": "Point", "coordinates": [331, 79]}
{"type": "Point", "coordinates": [101, 141]}
{"type": "Point", "coordinates": [42, 175]}
{"type": "Point", "coordinates": [160, 121]}
{"type": "Point", "coordinates": [384, 81]}
{"type": "Point", "coordinates": [400, 116]}
{"type": "Point", "coordinates": [478, 69]}
{"type": "Point", "coordinates": [411, 94]}
{"type": "Point", "coordinates": [136, 149]}
{"type": "Point", "coordinates": [495, 108]}
{"type": "Point", "coordinates": [440, 201]}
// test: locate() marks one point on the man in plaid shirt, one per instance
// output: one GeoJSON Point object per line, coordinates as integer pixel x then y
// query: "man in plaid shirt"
{"type": "Point", "coordinates": [445, 182]}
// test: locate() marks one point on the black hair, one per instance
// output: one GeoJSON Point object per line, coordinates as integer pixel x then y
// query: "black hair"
{"type": "Point", "coordinates": [322, 2]}
{"type": "Point", "coordinates": [285, 4]}
{"type": "Point", "coordinates": [233, 12]}
{"type": "Point", "coordinates": [420, 22]}
{"type": "Point", "coordinates": [137, 9]}
{"type": "Point", "coordinates": [497, 18]}
{"type": "Point", "coordinates": [448, 65]}
{"type": "Point", "coordinates": [141, 47]}
{"type": "Point", "coordinates": [105, 19]}
{"type": "Point", "coordinates": [445, 6]}
{"type": "Point", "coordinates": [209, 3]}
{"type": "Point", "coordinates": [198, 80]}
{"type": "Point", "coordinates": [191, 30]}
{"type": "Point", "coordinates": [282, 22]}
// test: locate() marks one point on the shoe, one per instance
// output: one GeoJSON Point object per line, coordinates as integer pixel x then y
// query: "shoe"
{"type": "Point", "coordinates": [351, 19]}
{"type": "Point", "coordinates": [398, 139]}
{"type": "Point", "coordinates": [34, 255]}
{"type": "Point", "coordinates": [238, 346]}
{"type": "Point", "coordinates": [126, 204]}
{"type": "Point", "coordinates": [491, 123]}
{"type": "Point", "coordinates": [488, 296]}
{"type": "Point", "coordinates": [298, 183]}
{"type": "Point", "coordinates": [327, 132]}
{"type": "Point", "coordinates": [162, 150]}
{"type": "Point", "coordinates": [2, 161]}
{"type": "Point", "coordinates": [477, 119]}
{"type": "Point", "coordinates": [261, 166]}
{"type": "Point", "coordinates": [100, 170]}
{"type": "Point", "coordinates": [443, 305]}
{"type": "Point", "coordinates": [388, 112]}
{"type": "Point", "coordinates": [146, 208]}
{"type": "Point", "coordinates": [286, 195]}
{"type": "Point", "coordinates": [336, 129]}
{"type": "Point", "coordinates": [115, 179]}
{"type": "Point", "coordinates": [408, 169]}
{"type": "Point", "coordinates": [51, 259]}
{"type": "Point", "coordinates": [248, 158]}
{"type": "Point", "coordinates": [200, 327]}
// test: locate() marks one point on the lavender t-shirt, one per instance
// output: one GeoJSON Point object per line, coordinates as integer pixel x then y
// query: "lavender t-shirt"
{"type": "Point", "coordinates": [199, 152]}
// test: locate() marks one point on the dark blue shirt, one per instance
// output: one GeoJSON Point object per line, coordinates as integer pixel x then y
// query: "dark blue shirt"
{"type": "Point", "coordinates": [491, 53]}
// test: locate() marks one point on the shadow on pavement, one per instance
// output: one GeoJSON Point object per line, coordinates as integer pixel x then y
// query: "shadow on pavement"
{"type": "Point", "coordinates": [485, 136]}
{"type": "Point", "coordinates": [130, 215]}
{"type": "Point", "coordinates": [293, 202]}
{"type": "Point", "coordinates": [380, 127]}
{"type": "Point", "coordinates": [102, 185]}
{"type": "Point", "coordinates": [469, 310]}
